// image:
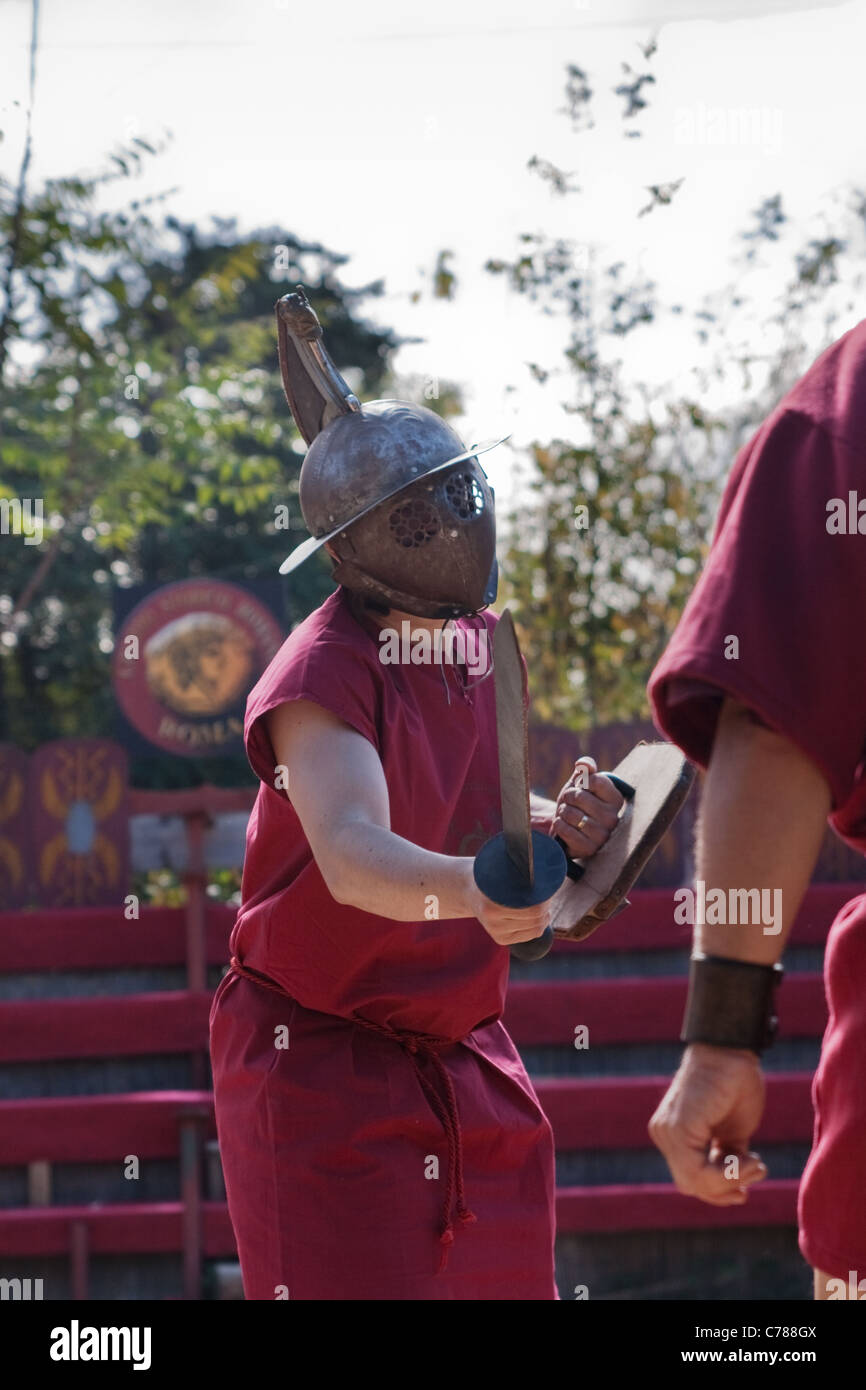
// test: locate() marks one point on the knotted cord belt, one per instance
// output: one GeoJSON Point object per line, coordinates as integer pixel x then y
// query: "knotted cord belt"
{"type": "Point", "coordinates": [444, 1107]}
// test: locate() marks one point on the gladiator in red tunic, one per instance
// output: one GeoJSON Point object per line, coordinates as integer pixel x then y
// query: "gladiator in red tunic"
{"type": "Point", "coordinates": [379, 1135]}
{"type": "Point", "coordinates": [399, 1112]}
{"type": "Point", "coordinates": [785, 578]}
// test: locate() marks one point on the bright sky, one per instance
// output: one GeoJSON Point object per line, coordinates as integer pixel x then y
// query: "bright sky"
{"type": "Point", "coordinates": [389, 131]}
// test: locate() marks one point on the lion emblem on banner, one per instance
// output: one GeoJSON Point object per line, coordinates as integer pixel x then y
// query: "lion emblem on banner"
{"type": "Point", "coordinates": [200, 664]}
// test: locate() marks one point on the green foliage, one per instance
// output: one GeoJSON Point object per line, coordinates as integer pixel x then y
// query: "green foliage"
{"type": "Point", "coordinates": [444, 279]}
{"type": "Point", "coordinates": [164, 888]}
{"type": "Point", "coordinates": [141, 401]}
{"type": "Point", "coordinates": [597, 592]}
{"type": "Point", "coordinates": [603, 560]}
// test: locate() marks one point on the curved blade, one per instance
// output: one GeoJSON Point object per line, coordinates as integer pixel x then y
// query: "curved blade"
{"type": "Point", "coordinates": [512, 737]}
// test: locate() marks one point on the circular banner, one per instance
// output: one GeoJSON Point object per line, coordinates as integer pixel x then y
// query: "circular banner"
{"type": "Point", "coordinates": [184, 661]}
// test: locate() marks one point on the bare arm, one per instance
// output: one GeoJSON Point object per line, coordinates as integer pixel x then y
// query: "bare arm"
{"type": "Point", "coordinates": [763, 818]}
{"type": "Point", "coordinates": [337, 786]}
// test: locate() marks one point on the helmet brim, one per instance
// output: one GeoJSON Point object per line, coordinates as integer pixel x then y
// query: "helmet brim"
{"type": "Point", "coordinates": [308, 547]}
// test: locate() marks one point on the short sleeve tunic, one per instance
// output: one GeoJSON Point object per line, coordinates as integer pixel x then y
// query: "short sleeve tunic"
{"type": "Point", "coordinates": [778, 622]}
{"type": "Point", "coordinates": [348, 1155]}
{"type": "Point", "coordinates": [772, 621]}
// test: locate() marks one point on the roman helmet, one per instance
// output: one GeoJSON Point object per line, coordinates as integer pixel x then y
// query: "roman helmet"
{"type": "Point", "coordinates": [405, 505]}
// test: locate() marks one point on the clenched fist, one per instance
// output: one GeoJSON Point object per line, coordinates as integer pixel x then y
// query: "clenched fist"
{"type": "Point", "coordinates": [706, 1118]}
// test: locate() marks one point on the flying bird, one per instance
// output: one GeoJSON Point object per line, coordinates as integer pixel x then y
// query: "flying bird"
{"type": "Point", "coordinates": [662, 194]}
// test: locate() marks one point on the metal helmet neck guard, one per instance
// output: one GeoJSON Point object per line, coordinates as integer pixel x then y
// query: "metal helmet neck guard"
{"type": "Point", "coordinates": [405, 505]}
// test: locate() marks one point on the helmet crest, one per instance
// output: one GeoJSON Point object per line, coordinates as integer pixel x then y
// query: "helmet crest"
{"type": "Point", "coordinates": [405, 505]}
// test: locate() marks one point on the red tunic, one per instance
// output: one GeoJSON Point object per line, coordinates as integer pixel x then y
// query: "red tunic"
{"type": "Point", "coordinates": [789, 590]}
{"type": "Point", "coordinates": [356, 1156]}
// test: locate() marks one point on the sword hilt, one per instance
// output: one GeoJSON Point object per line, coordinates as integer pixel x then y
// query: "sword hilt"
{"type": "Point", "coordinates": [536, 950]}
{"type": "Point", "coordinates": [502, 882]}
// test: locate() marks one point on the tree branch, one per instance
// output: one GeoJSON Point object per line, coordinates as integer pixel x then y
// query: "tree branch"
{"type": "Point", "coordinates": [20, 196]}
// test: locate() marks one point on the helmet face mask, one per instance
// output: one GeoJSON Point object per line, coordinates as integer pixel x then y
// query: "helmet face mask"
{"type": "Point", "coordinates": [430, 550]}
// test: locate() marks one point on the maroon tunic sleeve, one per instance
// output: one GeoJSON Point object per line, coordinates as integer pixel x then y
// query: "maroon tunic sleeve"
{"type": "Point", "coordinates": [770, 620]}
{"type": "Point", "coordinates": [339, 675]}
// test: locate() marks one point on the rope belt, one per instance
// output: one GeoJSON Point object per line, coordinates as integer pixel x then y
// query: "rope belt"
{"type": "Point", "coordinates": [443, 1105]}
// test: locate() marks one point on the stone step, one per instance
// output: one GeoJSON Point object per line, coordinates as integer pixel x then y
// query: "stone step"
{"type": "Point", "coordinates": [574, 965]}
{"type": "Point", "coordinates": [561, 965]}
{"type": "Point", "coordinates": [74, 1184]}
{"type": "Point", "coordinates": [226, 1285]}
{"type": "Point", "coordinates": [100, 1076]}
{"type": "Point", "coordinates": [750, 1263]}
{"type": "Point", "coordinates": [116, 1076]}
{"type": "Point", "coordinates": [111, 1277]}
{"type": "Point", "coordinates": [91, 984]}
{"type": "Point", "coordinates": [123, 1277]}
{"type": "Point", "coordinates": [602, 1168]}
{"type": "Point", "coordinates": [651, 1058]}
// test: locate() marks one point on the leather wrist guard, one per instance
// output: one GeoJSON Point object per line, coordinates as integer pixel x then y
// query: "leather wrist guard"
{"type": "Point", "coordinates": [731, 1003]}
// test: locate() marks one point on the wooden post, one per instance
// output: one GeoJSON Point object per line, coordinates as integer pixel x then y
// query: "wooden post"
{"type": "Point", "coordinates": [79, 1252]}
{"type": "Point", "coordinates": [190, 1185]}
{"type": "Point", "coordinates": [39, 1183]}
{"type": "Point", "coordinates": [195, 882]}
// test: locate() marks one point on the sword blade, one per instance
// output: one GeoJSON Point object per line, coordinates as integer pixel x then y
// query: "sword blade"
{"type": "Point", "coordinates": [512, 736]}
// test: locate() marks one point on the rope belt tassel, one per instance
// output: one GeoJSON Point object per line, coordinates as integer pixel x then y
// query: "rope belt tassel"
{"type": "Point", "coordinates": [443, 1105]}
